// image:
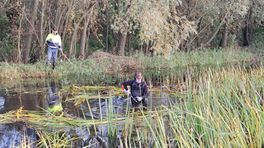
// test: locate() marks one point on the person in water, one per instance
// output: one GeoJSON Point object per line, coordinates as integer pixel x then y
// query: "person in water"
{"type": "Point", "coordinates": [138, 90]}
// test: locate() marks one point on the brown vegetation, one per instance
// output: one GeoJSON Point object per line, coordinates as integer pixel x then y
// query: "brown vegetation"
{"type": "Point", "coordinates": [120, 64]}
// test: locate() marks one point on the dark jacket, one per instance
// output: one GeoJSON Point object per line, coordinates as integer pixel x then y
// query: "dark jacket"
{"type": "Point", "coordinates": [137, 89]}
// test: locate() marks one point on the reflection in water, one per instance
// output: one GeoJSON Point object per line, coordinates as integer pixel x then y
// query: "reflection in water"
{"type": "Point", "coordinates": [2, 103]}
{"type": "Point", "coordinates": [53, 99]}
{"type": "Point", "coordinates": [37, 96]}
{"type": "Point", "coordinates": [31, 95]}
{"type": "Point", "coordinates": [101, 108]}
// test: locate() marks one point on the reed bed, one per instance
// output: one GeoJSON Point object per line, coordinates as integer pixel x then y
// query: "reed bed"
{"type": "Point", "coordinates": [222, 110]}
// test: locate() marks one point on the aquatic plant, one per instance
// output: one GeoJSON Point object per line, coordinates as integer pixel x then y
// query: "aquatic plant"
{"type": "Point", "coordinates": [221, 108]}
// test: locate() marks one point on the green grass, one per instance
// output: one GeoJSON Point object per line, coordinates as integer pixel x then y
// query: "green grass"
{"type": "Point", "coordinates": [156, 69]}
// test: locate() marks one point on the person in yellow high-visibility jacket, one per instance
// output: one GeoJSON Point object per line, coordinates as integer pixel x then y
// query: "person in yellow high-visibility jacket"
{"type": "Point", "coordinates": [54, 44]}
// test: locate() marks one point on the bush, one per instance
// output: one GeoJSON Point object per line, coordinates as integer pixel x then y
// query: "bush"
{"type": "Point", "coordinates": [6, 44]}
{"type": "Point", "coordinates": [4, 23]}
{"type": "Point", "coordinates": [258, 37]}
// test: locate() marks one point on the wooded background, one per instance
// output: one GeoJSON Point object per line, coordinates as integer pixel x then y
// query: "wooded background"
{"type": "Point", "coordinates": [123, 27]}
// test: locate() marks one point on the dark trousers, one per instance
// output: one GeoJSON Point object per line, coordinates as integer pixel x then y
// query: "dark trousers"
{"type": "Point", "coordinates": [136, 103]}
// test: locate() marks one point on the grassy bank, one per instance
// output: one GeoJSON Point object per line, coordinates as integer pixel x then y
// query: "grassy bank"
{"type": "Point", "coordinates": [109, 70]}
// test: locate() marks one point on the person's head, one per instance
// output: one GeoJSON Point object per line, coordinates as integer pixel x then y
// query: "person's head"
{"type": "Point", "coordinates": [138, 76]}
{"type": "Point", "coordinates": [54, 31]}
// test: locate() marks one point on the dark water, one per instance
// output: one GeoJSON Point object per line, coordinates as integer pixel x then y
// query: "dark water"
{"type": "Point", "coordinates": [40, 95]}
{"type": "Point", "coordinates": [30, 94]}
{"type": "Point", "coordinates": [13, 135]}
{"type": "Point", "coordinates": [35, 95]}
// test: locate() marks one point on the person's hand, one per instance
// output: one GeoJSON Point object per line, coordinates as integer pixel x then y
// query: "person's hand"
{"type": "Point", "coordinates": [127, 92]}
{"type": "Point", "coordinates": [139, 99]}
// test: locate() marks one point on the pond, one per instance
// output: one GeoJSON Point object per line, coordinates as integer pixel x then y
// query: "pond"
{"type": "Point", "coordinates": [42, 95]}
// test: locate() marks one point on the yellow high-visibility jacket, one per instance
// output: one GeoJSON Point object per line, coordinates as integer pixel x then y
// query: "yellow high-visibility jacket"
{"type": "Point", "coordinates": [54, 41]}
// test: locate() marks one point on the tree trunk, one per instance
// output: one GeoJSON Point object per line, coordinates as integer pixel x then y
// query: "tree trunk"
{"type": "Point", "coordinates": [122, 43]}
{"type": "Point", "coordinates": [53, 12]}
{"type": "Point", "coordinates": [72, 50]}
{"type": "Point", "coordinates": [128, 43]}
{"type": "Point", "coordinates": [107, 29]}
{"type": "Point", "coordinates": [225, 36]}
{"type": "Point", "coordinates": [41, 49]}
{"type": "Point", "coordinates": [73, 40]}
{"type": "Point", "coordinates": [59, 19]}
{"type": "Point", "coordinates": [67, 21]}
{"type": "Point", "coordinates": [216, 31]}
{"type": "Point", "coordinates": [123, 35]}
{"type": "Point", "coordinates": [84, 38]}
{"type": "Point", "coordinates": [18, 56]}
{"type": "Point", "coordinates": [198, 40]}
{"type": "Point", "coordinates": [30, 31]}
{"type": "Point", "coordinates": [247, 30]}
{"type": "Point", "coordinates": [87, 40]}
{"type": "Point", "coordinates": [87, 14]}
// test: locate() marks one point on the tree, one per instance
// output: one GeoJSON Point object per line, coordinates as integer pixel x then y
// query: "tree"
{"type": "Point", "coordinates": [163, 26]}
{"type": "Point", "coordinates": [30, 29]}
{"type": "Point", "coordinates": [121, 19]}
{"type": "Point", "coordinates": [160, 27]}
{"type": "Point", "coordinates": [158, 23]}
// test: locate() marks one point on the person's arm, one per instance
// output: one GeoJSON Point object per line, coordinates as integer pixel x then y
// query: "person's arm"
{"type": "Point", "coordinates": [59, 43]}
{"type": "Point", "coordinates": [125, 88]}
{"type": "Point", "coordinates": [126, 83]}
{"type": "Point", "coordinates": [145, 90]}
